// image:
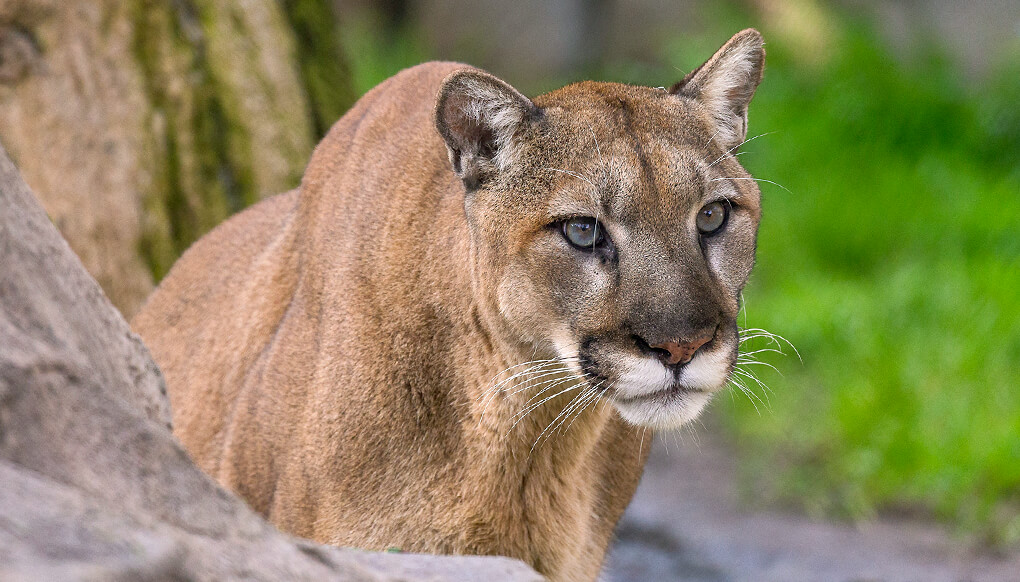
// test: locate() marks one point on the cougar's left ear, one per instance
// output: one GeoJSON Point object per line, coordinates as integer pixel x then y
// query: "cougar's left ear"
{"type": "Point", "coordinates": [481, 117]}
{"type": "Point", "coordinates": [726, 83]}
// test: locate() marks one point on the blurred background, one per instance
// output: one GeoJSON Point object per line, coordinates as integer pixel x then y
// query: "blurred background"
{"type": "Point", "coordinates": [889, 252]}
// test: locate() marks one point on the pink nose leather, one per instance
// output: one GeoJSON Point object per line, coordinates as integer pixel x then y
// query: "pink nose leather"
{"type": "Point", "coordinates": [681, 352]}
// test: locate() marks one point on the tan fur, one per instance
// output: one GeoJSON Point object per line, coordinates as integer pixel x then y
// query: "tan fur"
{"type": "Point", "coordinates": [330, 351]}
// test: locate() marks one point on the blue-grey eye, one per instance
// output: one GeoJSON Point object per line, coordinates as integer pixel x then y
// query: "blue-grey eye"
{"type": "Point", "coordinates": [584, 232]}
{"type": "Point", "coordinates": [711, 217]}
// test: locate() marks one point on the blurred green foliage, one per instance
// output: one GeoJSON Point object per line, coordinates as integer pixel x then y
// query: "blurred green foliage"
{"type": "Point", "coordinates": [890, 256]}
{"type": "Point", "coordinates": [376, 51]}
{"type": "Point", "coordinates": [324, 68]}
{"type": "Point", "coordinates": [893, 264]}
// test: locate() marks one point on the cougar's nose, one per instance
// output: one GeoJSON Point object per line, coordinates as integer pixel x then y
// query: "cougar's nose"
{"type": "Point", "coordinates": [678, 352]}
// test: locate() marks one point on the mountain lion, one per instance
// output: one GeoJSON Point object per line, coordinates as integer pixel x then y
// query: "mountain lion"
{"type": "Point", "coordinates": [453, 336]}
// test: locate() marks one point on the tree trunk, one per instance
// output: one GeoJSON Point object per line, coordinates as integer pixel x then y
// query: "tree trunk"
{"type": "Point", "coordinates": [141, 124]}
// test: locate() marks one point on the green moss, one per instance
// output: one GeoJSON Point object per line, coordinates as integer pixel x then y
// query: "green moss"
{"type": "Point", "coordinates": [202, 170]}
{"type": "Point", "coordinates": [324, 69]}
{"type": "Point", "coordinates": [157, 243]}
{"type": "Point", "coordinates": [226, 145]}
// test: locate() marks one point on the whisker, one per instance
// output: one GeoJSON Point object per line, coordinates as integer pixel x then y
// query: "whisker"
{"type": "Point", "coordinates": [736, 146]}
{"type": "Point", "coordinates": [756, 180]}
{"type": "Point", "coordinates": [774, 337]}
{"type": "Point", "coordinates": [763, 351]}
{"type": "Point", "coordinates": [533, 363]}
{"type": "Point", "coordinates": [751, 375]}
{"type": "Point", "coordinates": [641, 444]}
{"type": "Point", "coordinates": [689, 427]}
{"type": "Point", "coordinates": [727, 156]}
{"type": "Point", "coordinates": [567, 410]}
{"type": "Point", "coordinates": [594, 398]}
{"type": "Point", "coordinates": [576, 175]}
{"type": "Point", "coordinates": [750, 395]}
{"type": "Point", "coordinates": [711, 139]}
{"type": "Point", "coordinates": [527, 411]}
{"type": "Point", "coordinates": [541, 369]}
{"type": "Point", "coordinates": [551, 384]}
{"type": "Point", "coordinates": [767, 403]}
{"type": "Point", "coordinates": [549, 430]}
{"type": "Point", "coordinates": [757, 363]}
{"type": "Point", "coordinates": [490, 393]}
{"type": "Point", "coordinates": [531, 382]}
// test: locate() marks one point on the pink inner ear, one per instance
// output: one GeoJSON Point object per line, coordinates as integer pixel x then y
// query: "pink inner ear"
{"type": "Point", "coordinates": [455, 117]}
{"type": "Point", "coordinates": [464, 119]}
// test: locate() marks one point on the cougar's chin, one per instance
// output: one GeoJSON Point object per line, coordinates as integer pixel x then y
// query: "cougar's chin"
{"type": "Point", "coordinates": [649, 394]}
{"type": "Point", "coordinates": [666, 410]}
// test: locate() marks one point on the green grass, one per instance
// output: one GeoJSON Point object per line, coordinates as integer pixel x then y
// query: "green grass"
{"type": "Point", "coordinates": [893, 264]}
{"type": "Point", "coordinates": [891, 260]}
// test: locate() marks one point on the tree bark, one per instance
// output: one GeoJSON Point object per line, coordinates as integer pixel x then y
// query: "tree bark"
{"type": "Point", "coordinates": [141, 124]}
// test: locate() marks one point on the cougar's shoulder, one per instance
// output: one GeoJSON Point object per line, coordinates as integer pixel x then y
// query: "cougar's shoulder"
{"type": "Point", "coordinates": [453, 336]}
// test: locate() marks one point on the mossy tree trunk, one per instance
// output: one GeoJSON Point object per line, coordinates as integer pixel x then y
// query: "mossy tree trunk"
{"type": "Point", "coordinates": [141, 124]}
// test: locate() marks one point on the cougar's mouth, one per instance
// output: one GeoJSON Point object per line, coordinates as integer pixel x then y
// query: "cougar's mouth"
{"type": "Point", "coordinates": [648, 393]}
{"type": "Point", "coordinates": [669, 395]}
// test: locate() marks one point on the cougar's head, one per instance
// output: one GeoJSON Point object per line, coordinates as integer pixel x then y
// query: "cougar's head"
{"type": "Point", "coordinates": [611, 225]}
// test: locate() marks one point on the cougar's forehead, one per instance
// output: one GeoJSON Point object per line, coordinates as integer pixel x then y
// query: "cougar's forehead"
{"type": "Point", "coordinates": [638, 156]}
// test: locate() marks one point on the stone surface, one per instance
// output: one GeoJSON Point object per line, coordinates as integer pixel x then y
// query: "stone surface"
{"type": "Point", "coordinates": [687, 523]}
{"type": "Point", "coordinates": [95, 487]}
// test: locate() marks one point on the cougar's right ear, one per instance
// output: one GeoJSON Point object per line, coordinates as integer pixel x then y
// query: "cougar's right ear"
{"type": "Point", "coordinates": [726, 83]}
{"type": "Point", "coordinates": [480, 117]}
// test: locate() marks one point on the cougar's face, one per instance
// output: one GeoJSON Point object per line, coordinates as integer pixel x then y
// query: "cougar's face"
{"type": "Point", "coordinates": [622, 250]}
{"type": "Point", "coordinates": [612, 227]}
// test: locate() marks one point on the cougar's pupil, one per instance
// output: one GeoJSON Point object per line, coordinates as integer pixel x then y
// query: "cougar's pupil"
{"type": "Point", "coordinates": [711, 217]}
{"type": "Point", "coordinates": [583, 232]}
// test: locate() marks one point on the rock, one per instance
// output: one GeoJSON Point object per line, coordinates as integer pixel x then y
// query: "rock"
{"type": "Point", "coordinates": [95, 487]}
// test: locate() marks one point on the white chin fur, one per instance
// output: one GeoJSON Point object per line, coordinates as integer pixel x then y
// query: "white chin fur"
{"type": "Point", "coordinates": [640, 376]}
{"type": "Point", "coordinates": [707, 371]}
{"type": "Point", "coordinates": [664, 415]}
{"type": "Point", "coordinates": [704, 375]}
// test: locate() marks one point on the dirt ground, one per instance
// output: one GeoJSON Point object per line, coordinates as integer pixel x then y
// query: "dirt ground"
{"type": "Point", "coordinates": [686, 523]}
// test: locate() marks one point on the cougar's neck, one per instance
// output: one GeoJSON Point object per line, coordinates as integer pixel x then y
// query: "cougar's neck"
{"type": "Point", "coordinates": [525, 404]}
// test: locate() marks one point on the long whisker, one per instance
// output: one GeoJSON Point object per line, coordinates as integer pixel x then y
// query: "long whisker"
{"type": "Point", "coordinates": [753, 377]}
{"type": "Point", "coordinates": [541, 369]}
{"type": "Point", "coordinates": [773, 337]}
{"type": "Point", "coordinates": [737, 146]}
{"type": "Point", "coordinates": [740, 385]}
{"type": "Point", "coordinates": [574, 174]}
{"type": "Point", "coordinates": [555, 383]}
{"type": "Point", "coordinates": [711, 139]}
{"type": "Point", "coordinates": [577, 399]}
{"type": "Point", "coordinates": [765, 389]}
{"type": "Point", "coordinates": [576, 411]}
{"type": "Point", "coordinates": [641, 444]}
{"type": "Point", "coordinates": [741, 362]}
{"type": "Point", "coordinates": [756, 180]}
{"type": "Point", "coordinates": [532, 363]}
{"type": "Point", "coordinates": [590, 401]}
{"type": "Point", "coordinates": [727, 156]}
{"type": "Point", "coordinates": [526, 411]}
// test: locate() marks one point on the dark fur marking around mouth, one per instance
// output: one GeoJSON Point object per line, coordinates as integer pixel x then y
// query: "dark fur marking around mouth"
{"type": "Point", "coordinates": [588, 365]}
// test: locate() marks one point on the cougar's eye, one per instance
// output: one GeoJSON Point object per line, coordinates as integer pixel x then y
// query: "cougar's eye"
{"type": "Point", "coordinates": [584, 232]}
{"type": "Point", "coordinates": [711, 217]}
